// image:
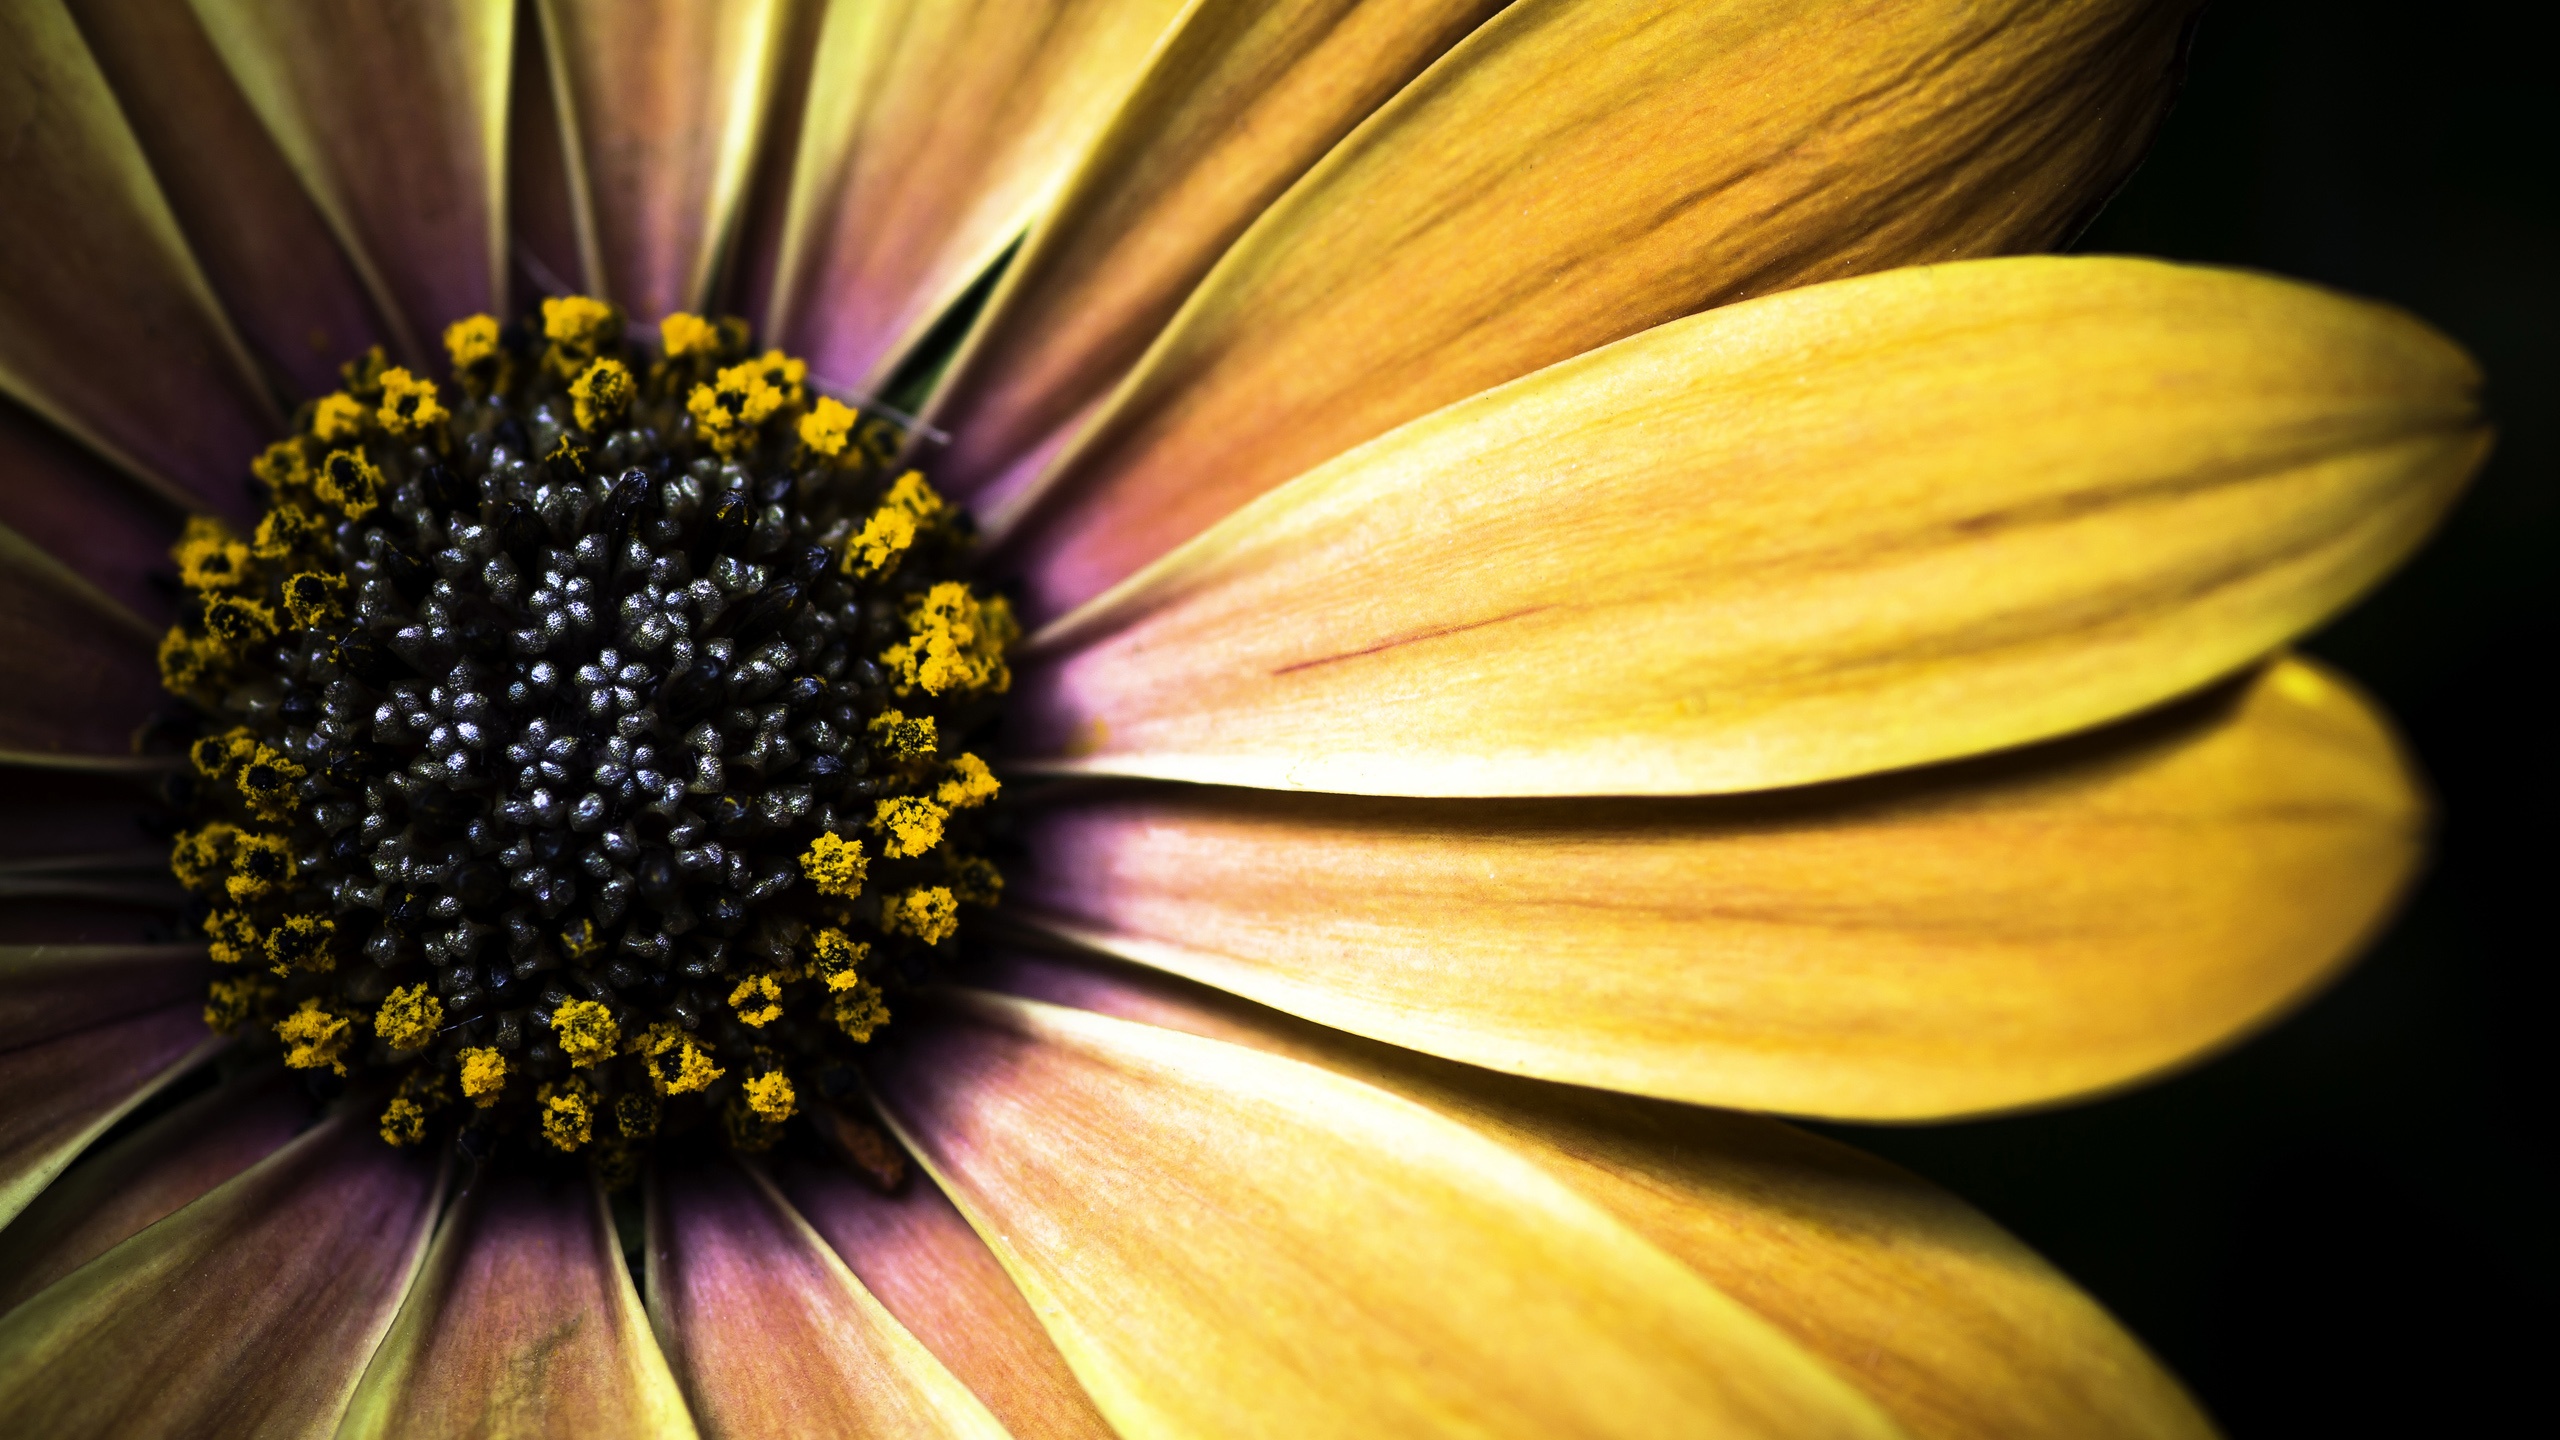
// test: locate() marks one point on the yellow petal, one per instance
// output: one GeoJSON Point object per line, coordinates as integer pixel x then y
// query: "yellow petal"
{"type": "Point", "coordinates": [1243, 99]}
{"type": "Point", "coordinates": [156, 1171]}
{"type": "Point", "coordinates": [49, 990]}
{"type": "Point", "coordinates": [523, 1322]}
{"type": "Point", "coordinates": [933, 134]}
{"type": "Point", "coordinates": [1220, 1239]}
{"type": "Point", "coordinates": [299, 304]}
{"type": "Point", "coordinates": [663, 101]}
{"type": "Point", "coordinates": [68, 1089]}
{"type": "Point", "coordinates": [107, 327]}
{"type": "Point", "coordinates": [1911, 1294]}
{"type": "Point", "coordinates": [1577, 171]}
{"type": "Point", "coordinates": [248, 1313]}
{"type": "Point", "coordinates": [933, 1273]}
{"type": "Point", "coordinates": [76, 669]}
{"type": "Point", "coordinates": [394, 117]}
{"type": "Point", "coordinates": [770, 1334]}
{"type": "Point", "coordinates": [72, 506]}
{"type": "Point", "coordinates": [1962, 939]}
{"type": "Point", "coordinates": [1845, 529]}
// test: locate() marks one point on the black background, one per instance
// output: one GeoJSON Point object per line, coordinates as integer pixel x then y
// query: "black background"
{"type": "Point", "coordinates": [2347, 1226]}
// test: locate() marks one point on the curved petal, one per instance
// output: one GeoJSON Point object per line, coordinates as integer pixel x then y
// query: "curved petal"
{"type": "Point", "coordinates": [1952, 941]}
{"type": "Point", "coordinates": [1911, 1294]}
{"type": "Point", "coordinates": [1246, 95]}
{"type": "Point", "coordinates": [1226, 1242]}
{"type": "Point", "coordinates": [394, 117]}
{"type": "Point", "coordinates": [770, 1334]}
{"type": "Point", "coordinates": [49, 990]}
{"type": "Point", "coordinates": [73, 507]}
{"type": "Point", "coordinates": [156, 1171]}
{"type": "Point", "coordinates": [934, 132]}
{"type": "Point", "coordinates": [76, 673]}
{"type": "Point", "coordinates": [523, 1322]}
{"type": "Point", "coordinates": [931, 1271]}
{"type": "Point", "coordinates": [1841, 530]}
{"type": "Point", "coordinates": [250, 1312]}
{"type": "Point", "coordinates": [67, 1089]}
{"type": "Point", "coordinates": [1579, 170]}
{"type": "Point", "coordinates": [300, 306]}
{"type": "Point", "coordinates": [662, 102]}
{"type": "Point", "coordinates": [107, 327]}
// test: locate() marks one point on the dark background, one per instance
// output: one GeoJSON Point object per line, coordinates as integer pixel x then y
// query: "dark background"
{"type": "Point", "coordinates": [2347, 1226]}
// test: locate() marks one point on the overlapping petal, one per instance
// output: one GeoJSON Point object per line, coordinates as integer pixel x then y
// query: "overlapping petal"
{"type": "Point", "coordinates": [49, 990]}
{"type": "Point", "coordinates": [1244, 97]}
{"type": "Point", "coordinates": [1918, 1299]}
{"type": "Point", "coordinates": [1577, 171]}
{"type": "Point", "coordinates": [663, 102]}
{"type": "Point", "coordinates": [1844, 529]}
{"type": "Point", "coordinates": [249, 1313]}
{"type": "Point", "coordinates": [768, 1332]}
{"type": "Point", "coordinates": [394, 117]}
{"type": "Point", "coordinates": [933, 134]}
{"type": "Point", "coordinates": [523, 1322]}
{"type": "Point", "coordinates": [71, 506]}
{"type": "Point", "coordinates": [66, 1090]}
{"type": "Point", "coordinates": [1226, 1242]}
{"type": "Point", "coordinates": [76, 669]}
{"type": "Point", "coordinates": [108, 329]}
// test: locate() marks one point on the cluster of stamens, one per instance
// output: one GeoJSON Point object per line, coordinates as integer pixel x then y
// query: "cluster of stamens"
{"type": "Point", "coordinates": [576, 743]}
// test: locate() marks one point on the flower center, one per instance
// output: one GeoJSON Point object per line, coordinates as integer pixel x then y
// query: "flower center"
{"type": "Point", "coordinates": [577, 744]}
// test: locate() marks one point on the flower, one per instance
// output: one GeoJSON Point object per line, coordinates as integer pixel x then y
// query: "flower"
{"type": "Point", "coordinates": [1394, 426]}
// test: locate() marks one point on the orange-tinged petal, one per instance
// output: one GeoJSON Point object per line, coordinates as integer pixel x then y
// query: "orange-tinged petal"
{"type": "Point", "coordinates": [1224, 1242]}
{"type": "Point", "coordinates": [768, 1332]}
{"type": "Point", "coordinates": [1246, 96]}
{"type": "Point", "coordinates": [298, 303]}
{"type": "Point", "coordinates": [1579, 170]}
{"type": "Point", "coordinates": [1846, 529]}
{"type": "Point", "coordinates": [933, 135]}
{"type": "Point", "coordinates": [1914, 1296]}
{"type": "Point", "coordinates": [1967, 938]}
{"type": "Point", "coordinates": [76, 668]}
{"type": "Point", "coordinates": [394, 117]}
{"type": "Point", "coordinates": [108, 329]}
{"type": "Point", "coordinates": [663, 101]}
{"type": "Point", "coordinates": [914, 1252]}
{"type": "Point", "coordinates": [67, 1089]}
{"type": "Point", "coordinates": [75, 508]}
{"type": "Point", "coordinates": [523, 1322]}
{"type": "Point", "coordinates": [250, 1312]}
{"type": "Point", "coordinates": [49, 990]}
{"type": "Point", "coordinates": [159, 1169]}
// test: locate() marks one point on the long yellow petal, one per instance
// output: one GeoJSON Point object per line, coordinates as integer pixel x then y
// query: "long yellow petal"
{"type": "Point", "coordinates": [1912, 1295]}
{"type": "Point", "coordinates": [664, 101]}
{"type": "Point", "coordinates": [1224, 1242]}
{"type": "Point", "coordinates": [1245, 96]}
{"type": "Point", "coordinates": [68, 1089]}
{"type": "Point", "coordinates": [108, 328]}
{"type": "Point", "coordinates": [1846, 529]}
{"type": "Point", "coordinates": [933, 135]}
{"type": "Point", "coordinates": [248, 1313]}
{"type": "Point", "coordinates": [1969, 938]}
{"type": "Point", "coordinates": [523, 1322]}
{"type": "Point", "coordinates": [1579, 170]}
{"type": "Point", "coordinates": [768, 1332]}
{"type": "Point", "coordinates": [395, 118]}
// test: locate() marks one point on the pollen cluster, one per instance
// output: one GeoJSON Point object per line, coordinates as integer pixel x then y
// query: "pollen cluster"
{"type": "Point", "coordinates": [576, 741]}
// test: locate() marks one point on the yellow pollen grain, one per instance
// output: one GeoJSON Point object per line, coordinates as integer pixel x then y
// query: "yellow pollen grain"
{"type": "Point", "coordinates": [975, 880]}
{"type": "Point", "coordinates": [199, 857]}
{"type": "Point", "coordinates": [315, 1036]}
{"type": "Point", "coordinates": [267, 782]}
{"type": "Point", "coordinates": [231, 938]}
{"type": "Point", "coordinates": [311, 598]}
{"type": "Point", "coordinates": [587, 1031]}
{"type": "Point", "coordinates": [579, 941]}
{"type": "Point", "coordinates": [409, 404]}
{"type": "Point", "coordinates": [362, 376]}
{"type": "Point", "coordinates": [677, 1063]}
{"type": "Point", "coordinates": [261, 865]}
{"type": "Point", "coordinates": [302, 942]}
{"type": "Point", "coordinates": [731, 409]}
{"type": "Point", "coordinates": [928, 912]}
{"type": "Point", "coordinates": [635, 1115]}
{"type": "Point", "coordinates": [835, 865]}
{"type": "Point", "coordinates": [833, 955]}
{"type": "Point", "coordinates": [955, 642]}
{"type": "Point", "coordinates": [188, 662]}
{"type": "Point", "coordinates": [771, 1097]}
{"type": "Point", "coordinates": [758, 1001]}
{"type": "Point", "coordinates": [209, 556]}
{"type": "Point", "coordinates": [404, 1123]}
{"type": "Point", "coordinates": [828, 427]}
{"type": "Point", "coordinates": [912, 824]}
{"type": "Point", "coordinates": [578, 326]}
{"type": "Point", "coordinates": [284, 469]}
{"type": "Point", "coordinates": [909, 507]}
{"type": "Point", "coordinates": [601, 393]}
{"type": "Point", "coordinates": [237, 624]}
{"type": "Point", "coordinates": [349, 483]}
{"type": "Point", "coordinates": [568, 1114]}
{"type": "Point", "coordinates": [471, 341]}
{"type": "Point", "coordinates": [409, 1018]}
{"type": "Point", "coordinates": [484, 1075]}
{"type": "Point", "coordinates": [288, 531]}
{"type": "Point", "coordinates": [689, 337]}
{"type": "Point", "coordinates": [231, 1003]}
{"type": "Point", "coordinates": [860, 1011]}
{"type": "Point", "coordinates": [338, 419]}
{"type": "Point", "coordinates": [967, 784]}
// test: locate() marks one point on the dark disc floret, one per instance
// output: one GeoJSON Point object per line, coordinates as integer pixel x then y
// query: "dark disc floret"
{"type": "Point", "coordinates": [578, 742]}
